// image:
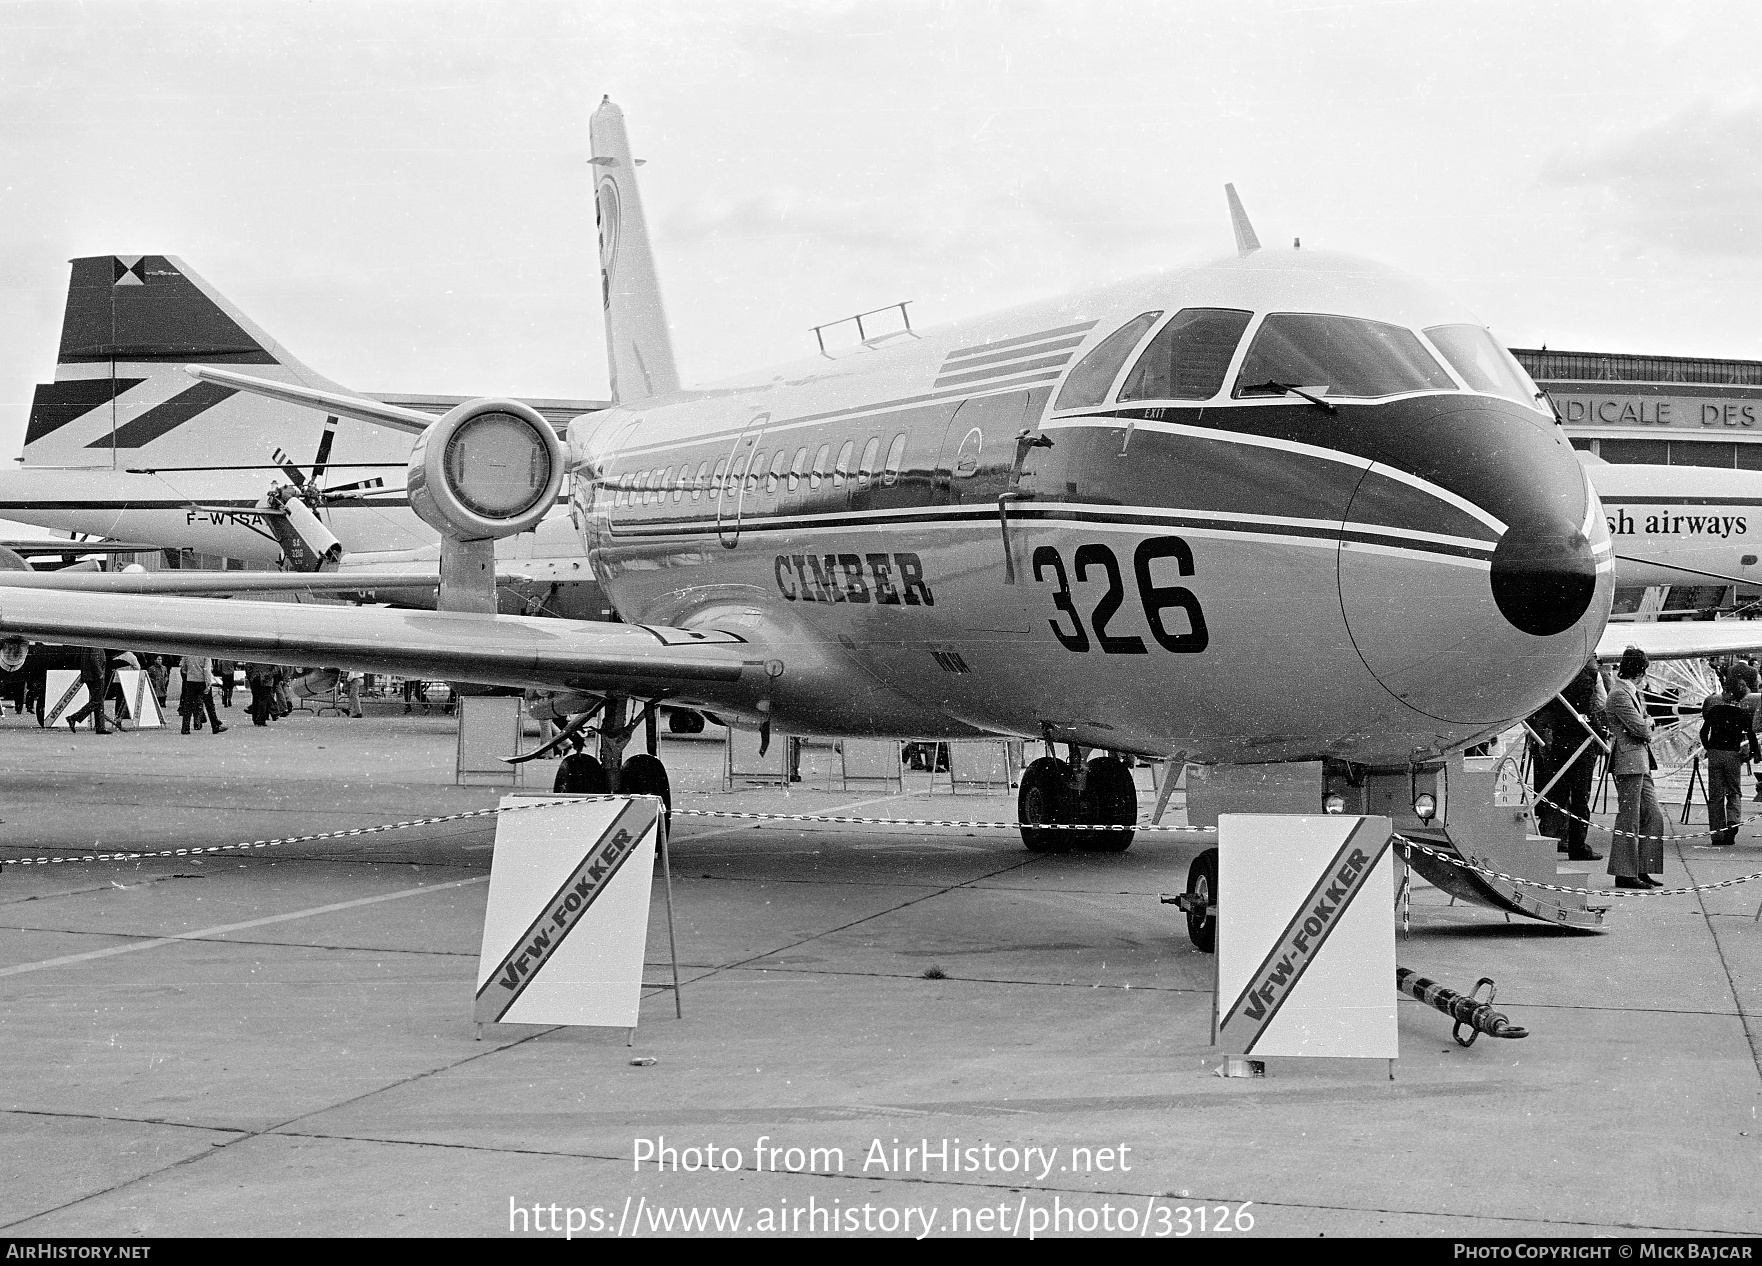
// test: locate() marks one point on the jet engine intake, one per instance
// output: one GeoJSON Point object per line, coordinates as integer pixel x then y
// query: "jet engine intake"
{"type": "Point", "coordinates": [490, 468]}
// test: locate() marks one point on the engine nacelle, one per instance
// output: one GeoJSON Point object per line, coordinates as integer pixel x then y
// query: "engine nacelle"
{"type": "Point", "coordinates": [318, 542]}
{"type": "Point", "coordinates": [489, 468]}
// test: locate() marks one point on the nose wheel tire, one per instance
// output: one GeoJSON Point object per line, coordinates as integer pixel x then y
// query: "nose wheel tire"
{"type": "Point", "coordinates": [1047, 795]}
{"type": "Point", "coordinates": [1110, 797]}
{"type": "Point", "coordinates": [1202, 896]}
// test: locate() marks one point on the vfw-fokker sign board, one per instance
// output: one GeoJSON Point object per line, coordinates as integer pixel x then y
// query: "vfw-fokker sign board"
{"type": "Point", "coordinates": [1306, 936]}
{"type": "Point", "coordinates": [567, 922]}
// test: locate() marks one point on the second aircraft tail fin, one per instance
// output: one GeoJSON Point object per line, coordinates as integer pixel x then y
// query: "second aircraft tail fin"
{"type": "Point", "coordinates": [639, 347]}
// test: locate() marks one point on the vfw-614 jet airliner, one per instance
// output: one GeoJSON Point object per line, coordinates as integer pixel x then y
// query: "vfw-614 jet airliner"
{"type": "Point", "coordinates": [1292, 507]}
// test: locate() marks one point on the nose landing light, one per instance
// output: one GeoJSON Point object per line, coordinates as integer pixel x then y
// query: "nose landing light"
{"type": "Point", "coordinates": [1543, 576]}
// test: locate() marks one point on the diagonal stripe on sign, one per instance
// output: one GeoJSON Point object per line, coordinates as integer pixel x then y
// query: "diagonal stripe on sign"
{"type": "Point", "coordinates": [560, 915]}
{"type": "Point", "coordinates": [1275, 980]}
{"type": "Point", "coordinates": [54, 714]}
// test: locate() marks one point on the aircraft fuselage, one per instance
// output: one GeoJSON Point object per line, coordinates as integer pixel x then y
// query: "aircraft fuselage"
{"type": "Point", "coordinates": [1243, 576]}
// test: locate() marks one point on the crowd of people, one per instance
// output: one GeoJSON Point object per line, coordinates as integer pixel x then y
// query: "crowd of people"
{"type": "Point", "coordinates": [207, 686]}
{"type": "Point", "coordinates": [1596, 715]}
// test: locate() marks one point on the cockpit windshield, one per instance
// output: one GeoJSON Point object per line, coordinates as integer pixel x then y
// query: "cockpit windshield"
{"type": "Point", "coordinates": [1484, 365]}
{"type": "Point", "coordinates": [1337, 356]}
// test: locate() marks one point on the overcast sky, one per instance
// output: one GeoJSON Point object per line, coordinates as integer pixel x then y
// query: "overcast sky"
{"type": "Point", "coordinates": [399, 192]}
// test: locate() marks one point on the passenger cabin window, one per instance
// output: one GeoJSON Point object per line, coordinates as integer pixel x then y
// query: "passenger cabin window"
{"type": "Point", "coordinates": [702, 481]}
{"type": "Point", "coordinates": [716, 479]}
{"type": "Point", "coordinates": [819, 471]}
{"type": "Point", "coordinates": [866, 467]}
{"type": "Point", "coordinates": [1189, 357]}
{"type": "Point", "coordinates": [666, 484]}
{"type": "Point", "coordinates": [796, 468]}
{"type": "Point", "coordinates": [841, 471]}
{"type": "Point", "coordinates": [1093, 377]}
{"type": "Point", "coordinates": [736, 472]}
{"type": "Point", "coordinates": [756, 471]}
{"type": "Point", "coordinates": [1337, 356]}
{"type": "Point", "coordinates": [779, 460]}
{"type": "Point", "coordinates": [895, 455]}
{"type": "Point", "coordinates": [1484, 365]}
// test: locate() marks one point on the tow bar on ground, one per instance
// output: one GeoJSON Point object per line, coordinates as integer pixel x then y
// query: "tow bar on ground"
{"type": "Point", "coordinates": [1470, 1010]}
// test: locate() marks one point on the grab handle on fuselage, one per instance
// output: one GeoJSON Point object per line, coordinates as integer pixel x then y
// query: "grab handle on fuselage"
{"type": "Point", "coordinates": [1025, 441]}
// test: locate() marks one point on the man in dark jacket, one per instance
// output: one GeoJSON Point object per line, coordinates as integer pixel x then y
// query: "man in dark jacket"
{"type": "Point", "coordinates": [1567, 757]}
{"type": "Point", "coordinates": [1728, 732]}
{"type": "Point", "coordinates": [95, 676]}
{"type": "Point", "coordinates": [261, 679]}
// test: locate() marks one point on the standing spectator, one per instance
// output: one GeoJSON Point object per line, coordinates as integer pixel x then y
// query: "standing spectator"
{"type": "Point", "coordinates": [1569, 727]}
{"type": "Point", "coordinates": [1638, 849]}
{"type": "Point", "coordinates": [95, 676]}
{"type": "Point", "coordinates": [224, 669]}
{"type": "Point", "coordinates": [413, 695]}
{"type": "Point", "coordinates": [198, 694]}
{"type": "Point", "coordinates": [1728, 731]}
{"type": "Point", "coordinates": [284, 703]}
{"type": "Point", "coordinates": [355, 696]}
{"type": "Point", "coordinates": [159, 675]}
{"type": "Point", "coordinates": [261, 679]}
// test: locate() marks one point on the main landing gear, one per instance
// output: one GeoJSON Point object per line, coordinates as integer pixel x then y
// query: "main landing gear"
{"type": "Point", "coordinates": [641, 775]}
{"type": "Point", "coordinates": [1064, 794]}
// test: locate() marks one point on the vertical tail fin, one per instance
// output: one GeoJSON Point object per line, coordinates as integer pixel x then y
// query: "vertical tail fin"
{"type": "Point", "coordinates": [639, 349]}
{"type": "Point", "coordinates": [1246, 242]}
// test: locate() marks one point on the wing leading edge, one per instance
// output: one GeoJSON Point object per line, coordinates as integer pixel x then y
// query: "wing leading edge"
{"type": "Point", "coordinates": [1694, 639]}
{"type": "Point", "coordinates": [700, 665]}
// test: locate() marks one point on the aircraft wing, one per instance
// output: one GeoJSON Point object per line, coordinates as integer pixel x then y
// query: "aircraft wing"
{"type": "Point", "coordinates": [500, 650]}
{"type": "Point", "coordinates": [221, 583]}
{"type": "Point", "coordinates": [1689, 639]}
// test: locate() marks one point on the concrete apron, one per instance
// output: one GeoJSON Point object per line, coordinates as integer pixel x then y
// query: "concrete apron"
{"type": "Point", "coordinates": [284, 1043]}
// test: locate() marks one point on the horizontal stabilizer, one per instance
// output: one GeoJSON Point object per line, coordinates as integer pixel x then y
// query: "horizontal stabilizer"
{"type": "Point", "coordinates": [358, 407]}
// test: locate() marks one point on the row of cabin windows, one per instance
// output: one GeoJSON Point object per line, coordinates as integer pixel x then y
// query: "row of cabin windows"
{"type": "Point", "coordinates": [767, 472]}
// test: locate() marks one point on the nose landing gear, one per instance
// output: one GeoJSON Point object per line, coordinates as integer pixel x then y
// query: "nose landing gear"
{"type": "Point", "coordinates": [1061, 793]}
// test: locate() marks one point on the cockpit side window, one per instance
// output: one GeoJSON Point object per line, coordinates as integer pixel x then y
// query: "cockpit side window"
{"type": "Point", "coordinates": [1188, 359]}
{"type": "Point", "coordinates": [1091, 379]}
{"type": "Point", "coordinates": [1337, 356]}
{"type": "Point", "coordinates": [1484, 365]}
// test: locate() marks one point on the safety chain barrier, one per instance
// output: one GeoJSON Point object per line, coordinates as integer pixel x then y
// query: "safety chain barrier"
{"type": "Point", "coordinates": [352, 832]}
{"type": "Point", "coordinates": [990, 826]}
{"type": "Point", "coordinates": [286, 839]}
{"type": "Point", "coordinates": [1408, 847]}
{"type": "Point", "coordinates": [1532, 797]}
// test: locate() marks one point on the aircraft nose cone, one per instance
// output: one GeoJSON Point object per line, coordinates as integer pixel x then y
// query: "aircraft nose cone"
{"type": "Point", "coordinates": [1544, 576]}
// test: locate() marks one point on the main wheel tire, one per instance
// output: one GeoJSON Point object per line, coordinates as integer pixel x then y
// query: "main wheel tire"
{"type": "Point", "coordinates": [1110, 797]}
{"type": "Point", "coordinates": [581, 775]}
{"type": "Point", "coordinates": [1202, 886]}
{"type": "Point", "coordinates": [645, 775]}
{"type": "Point", "coordinates": [1046, 795]}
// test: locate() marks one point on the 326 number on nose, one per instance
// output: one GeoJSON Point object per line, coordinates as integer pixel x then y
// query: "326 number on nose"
{"type": "Point", "coordinates": [1095, 563]}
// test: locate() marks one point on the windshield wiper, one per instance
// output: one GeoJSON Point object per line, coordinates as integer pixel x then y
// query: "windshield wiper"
{"type": "Point", "coordinates": [1285, 388]}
